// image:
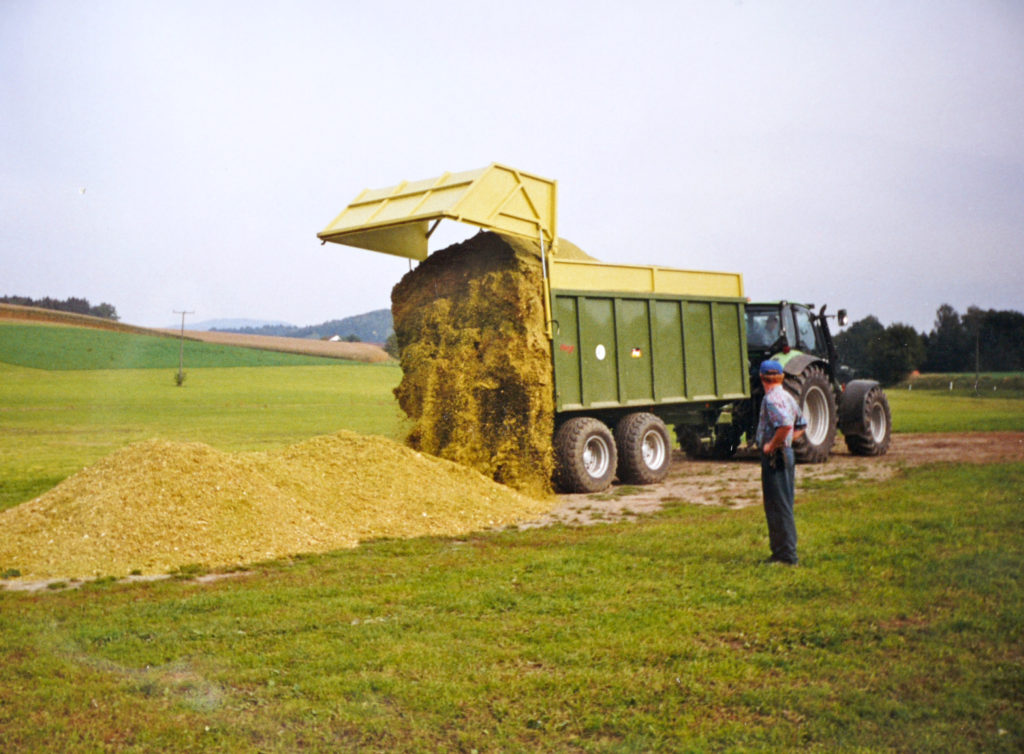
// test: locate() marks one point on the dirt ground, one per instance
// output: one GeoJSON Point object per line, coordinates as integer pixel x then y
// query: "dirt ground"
{"type": "Point", "coordinates": [737, 483]}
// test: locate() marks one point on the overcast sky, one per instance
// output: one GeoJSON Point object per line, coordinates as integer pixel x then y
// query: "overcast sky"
{"type": "Point", "coordinates": [162, 156]}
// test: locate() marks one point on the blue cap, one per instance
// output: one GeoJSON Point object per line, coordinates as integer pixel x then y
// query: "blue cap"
{"type": "Point", "coordinates": [771, 367]}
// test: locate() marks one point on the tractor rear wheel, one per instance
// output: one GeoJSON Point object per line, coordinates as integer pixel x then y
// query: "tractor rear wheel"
{"type": "Point", "coordinates": [585, 455]}
{"type": "Point", "coordinates": [644, 448]}
{"type": "Point", "coordinates": [813, 392]}
{"type": "Point", "coordinates": [865, 418]}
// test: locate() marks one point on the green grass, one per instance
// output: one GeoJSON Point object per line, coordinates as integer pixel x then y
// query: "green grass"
{"type": "Point", "coordinates": [899, 631]}
{"type": "Point", "coordinates": [940, 411]}
{"type": "Point", "coordinates": [52, 347]}
{"type": "Point", "coordinates": [53, 423]}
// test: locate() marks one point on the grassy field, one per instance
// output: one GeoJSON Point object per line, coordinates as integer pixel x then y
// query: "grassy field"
{"type": "Point", "coordinates": [71, 395]}
{"type": "Point", "coordinates": [51, 347]}
{"type": "Point", "coordinates": [901, 629]}
{"type": "Point", "coordinates": [899, 632]}
{"type": "Point", "coordinates": [53, 423]}
{"type": "Point", "coordinates": [917, 411]}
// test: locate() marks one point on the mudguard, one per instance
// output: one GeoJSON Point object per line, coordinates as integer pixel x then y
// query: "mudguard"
{"type": "Point", "coordinates": [794, 363]}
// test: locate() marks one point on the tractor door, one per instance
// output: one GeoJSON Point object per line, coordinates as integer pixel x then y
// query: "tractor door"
{"type": "Point", "coordinates": [808, 333]}
{"type": "Point", "coordinates": [789, 323]}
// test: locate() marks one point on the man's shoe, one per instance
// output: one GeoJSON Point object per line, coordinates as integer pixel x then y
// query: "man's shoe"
{"type": "Point", "coordinates": [779, 561]}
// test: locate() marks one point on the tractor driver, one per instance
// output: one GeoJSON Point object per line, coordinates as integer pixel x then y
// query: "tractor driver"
{"type": "Point", "coordinates": [764, 331]}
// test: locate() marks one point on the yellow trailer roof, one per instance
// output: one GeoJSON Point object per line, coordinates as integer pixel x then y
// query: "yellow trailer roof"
{"type": "Point", "coordinates": [397, 220]}
{"type": "Point", "coordinates": [584, 275]}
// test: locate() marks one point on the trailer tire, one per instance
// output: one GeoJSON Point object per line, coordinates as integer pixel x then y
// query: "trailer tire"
{"type": "Point", "coordinates": [813, 392]}
{"type": "Point", "coordinates": [865, 418]}
{"type": "Point", "coordinates": [644, 447]}
{"type": "Point", "coordinates": [585, 456]}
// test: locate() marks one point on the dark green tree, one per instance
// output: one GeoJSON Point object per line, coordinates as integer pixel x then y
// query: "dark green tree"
{"type": "Point", "coordinates": [900, 351]}
{"type": "Point", "coordinates": [887, 354]}
{"type": "Point", "coordinates": [71, 304]}
{"type": "Point", "coordinates": [950, 347]}
{"type": "Point", "coordinates": [996, 340]}
{"type": "Point", "coordinates": [1004, 340]}
{"type": "Point", "coordinates": [105, 310]}
{"type": "Point", "coordinates": [856, 345]}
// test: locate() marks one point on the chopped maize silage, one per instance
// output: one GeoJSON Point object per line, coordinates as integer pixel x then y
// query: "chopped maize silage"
{"type": "Point", "coordinates": [476, 360]}
{"type": "Point", "coordinates": [155, 506]}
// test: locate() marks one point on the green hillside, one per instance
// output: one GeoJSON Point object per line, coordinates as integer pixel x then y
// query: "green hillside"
{"type": "Point", "coordinates": [62, 348]}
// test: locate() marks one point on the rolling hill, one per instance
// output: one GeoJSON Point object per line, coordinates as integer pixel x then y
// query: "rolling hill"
{"type": "Point", "coordinates": [17, 339]}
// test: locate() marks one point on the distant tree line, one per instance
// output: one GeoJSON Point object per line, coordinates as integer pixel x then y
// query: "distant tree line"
{"type": "Point", "coordinates": [983, 340]}
{"type": "Point", "coordinates": [74, 305]}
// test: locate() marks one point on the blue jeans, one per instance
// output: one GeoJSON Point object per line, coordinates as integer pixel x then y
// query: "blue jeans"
{"type": "Point", "coordinates": [777, 486]}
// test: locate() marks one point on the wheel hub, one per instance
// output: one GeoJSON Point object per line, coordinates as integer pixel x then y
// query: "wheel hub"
{"type": "Point", "coordinates": [876, 423]}
{"type": "Point", "coordinates": [653, 450]}
{"type": "Point", "coordinates": [596, 457]}
{"type": "Point", "coordinates": [816, 414]}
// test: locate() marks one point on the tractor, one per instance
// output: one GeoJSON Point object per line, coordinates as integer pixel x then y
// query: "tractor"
{"type": "Point", "coordinates": [800, 339]}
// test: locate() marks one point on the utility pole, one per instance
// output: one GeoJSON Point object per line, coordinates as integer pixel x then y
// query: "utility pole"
{"type": "Point", "coordinates": [977, 359]}
{"type": "Point", "coordinates": [180, 379]}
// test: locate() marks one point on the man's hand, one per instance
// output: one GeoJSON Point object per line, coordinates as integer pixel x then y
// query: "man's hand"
{"type": "Point", "coordinates": [778, 440]}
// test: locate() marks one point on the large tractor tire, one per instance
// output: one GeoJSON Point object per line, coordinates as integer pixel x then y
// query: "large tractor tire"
{"type": "Point", "coordinates": [644, 447]}
{"type": "Point", "coordinates": [585, 456]}
{"type": "Point", "coordinates": [813, 392]}
{"type": "Point", "coordinates": [865, 418]}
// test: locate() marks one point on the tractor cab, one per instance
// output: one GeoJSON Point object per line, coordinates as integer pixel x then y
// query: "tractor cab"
{"type": "Point", "coordinates": [783, 330]}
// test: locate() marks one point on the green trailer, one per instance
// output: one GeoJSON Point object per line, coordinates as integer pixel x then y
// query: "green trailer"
{"type": "Point", "coordinates": [634, 348]}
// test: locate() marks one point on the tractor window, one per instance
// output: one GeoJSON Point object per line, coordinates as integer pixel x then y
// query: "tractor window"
{"type": "Point", "coordinates": [762, 328]}
{"type": "Point", "coordinates": [790, 326]}
{"type": "Point", "coordinates": [805, 330]}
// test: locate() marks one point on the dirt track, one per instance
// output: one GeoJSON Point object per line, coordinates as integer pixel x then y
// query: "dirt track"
{"type": "Point", "coordinates": [737, 483]}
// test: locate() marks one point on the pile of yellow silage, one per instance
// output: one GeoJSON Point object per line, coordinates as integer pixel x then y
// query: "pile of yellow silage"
{"type": "Point", "coordinates": [156, 506]}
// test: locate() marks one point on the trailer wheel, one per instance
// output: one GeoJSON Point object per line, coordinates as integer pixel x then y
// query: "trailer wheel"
{"type": "Point", "coordinates": [813, 392]}
{"type": "Point", "coordinates": [645, 448]}
{"type": "Point", "coordinates": [585, 455]}
{"type": "Point", "coordinates": [865, 418]}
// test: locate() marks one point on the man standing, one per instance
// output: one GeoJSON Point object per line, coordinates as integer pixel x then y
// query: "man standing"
{"type": "Point", "coordinates": [779, 423]}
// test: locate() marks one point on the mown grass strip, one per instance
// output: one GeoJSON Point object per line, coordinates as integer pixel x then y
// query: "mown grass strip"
{"type": "Point", "coordinates": [900, 631]}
